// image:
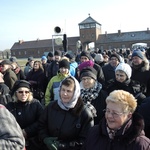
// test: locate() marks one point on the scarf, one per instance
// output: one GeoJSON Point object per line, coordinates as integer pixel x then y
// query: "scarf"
{"type": "Point", "coordinates": [92, 93]}
{"type": "Point", "coordinates": [73, 101]}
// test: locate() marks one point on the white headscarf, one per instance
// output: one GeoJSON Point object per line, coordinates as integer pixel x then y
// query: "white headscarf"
{"type": "Point", "coordinates": [73, 101]}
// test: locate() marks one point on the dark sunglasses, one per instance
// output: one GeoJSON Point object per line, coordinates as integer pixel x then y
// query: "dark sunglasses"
{"type": "Point", "coordinates": [21, 92]}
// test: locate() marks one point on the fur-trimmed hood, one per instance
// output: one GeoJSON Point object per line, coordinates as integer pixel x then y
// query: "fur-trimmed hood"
{"type": "Point", "coordinates": [145, 66]}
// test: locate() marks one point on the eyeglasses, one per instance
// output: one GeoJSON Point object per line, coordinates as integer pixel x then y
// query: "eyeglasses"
{"type": "Point", "coordinates": [114, 114]}
{"type": "Point", "coordinates": [86, 79]}
{"type": "Point", "coordinates": [21, 92]}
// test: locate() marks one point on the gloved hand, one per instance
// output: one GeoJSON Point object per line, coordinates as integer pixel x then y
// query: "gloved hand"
{"type": "Point", "coordinates": [52, 143]}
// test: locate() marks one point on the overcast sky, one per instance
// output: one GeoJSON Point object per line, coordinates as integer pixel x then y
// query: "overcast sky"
{"type": "Point", "coordinates": [31, 19]}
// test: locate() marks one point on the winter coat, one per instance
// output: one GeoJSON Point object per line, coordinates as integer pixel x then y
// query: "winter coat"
{"type": "Point", "coordinates": [129, 137]}
{"type": "Point", "coordinates": [52, 87]}
{"type": "Point", "coordinates": [99, 103]}
{"type": "Point", "coordinates": [27, 69]}
{"type": "Point", "coordinates": [130, 86]}
{"type": "Point", "coordinates": [9, 78]}
{"type": "Point", "coordinates": [144, 110]}
{"type": "Point", "coordinates": [27, 115]}
{"type": "Point", "coordinates": [10, 132]}
{"type": "Point", "coordinates": [73, 66]}
{"type": "Point", "coordinates": [4, 94]}
{"type": "Point", "coordinates": [109, 73]}
{"type": "Point", "coordinates": [70, 126]}
{"type": "Point", "coordinates": [38, 83]}
{"type": "Point", "coordinates": [19, 73]}
{"type": "Point", "coordinates": [52, 69]}
{"type": "Point", "coordinates": [142, 74]}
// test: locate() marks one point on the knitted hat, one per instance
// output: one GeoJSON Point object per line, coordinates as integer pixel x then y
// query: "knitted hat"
{"type": "Point", "coordinates": [18, 84]}
{"type": "Point", "coordinates": [85, 64]}
{"type": "Point", "coordinates": [30, 58]}
{"type": "Point", "coordinates": [90, 72]}
{"type": "Point", "coordinates": [5, 62]}
{"type": "Point", "coordinates": [43, 58]}
{"type": "Point", "coordinates": [98, 58]}
{"type": "Point", "coordinates": [64, 63]}
{"type": "Point", "coordinates": [138, 53]}
{"type": "Point", "coordinates": [50, 54]}
{"type": "Point", "coordinates": [70, 56]}
{"type": "Point", "coordinates": [86, 54]}
{"type": "Point", "coordinates": [115, 55]}
{"type": "Point", "coordinates": [57, 53]}
{"type": "Point", "coordinates": [125, 68]}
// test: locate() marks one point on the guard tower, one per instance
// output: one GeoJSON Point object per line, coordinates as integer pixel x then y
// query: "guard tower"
{"type": "Point", "coordinates": [89, 31]}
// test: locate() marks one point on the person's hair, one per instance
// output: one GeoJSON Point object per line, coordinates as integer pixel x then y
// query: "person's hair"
{"type": "Point", "coordinates": [40, 64]}
{"type": "Point", "coordinates": [68, 81]}
{"type": "Point", "coordinates": [124, 98]}
{"type": "Point", "coordinates": [30, 97]}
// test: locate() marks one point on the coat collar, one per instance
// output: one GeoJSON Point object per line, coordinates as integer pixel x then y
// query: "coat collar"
{"type": "Point", "coordinates": [128, 132]}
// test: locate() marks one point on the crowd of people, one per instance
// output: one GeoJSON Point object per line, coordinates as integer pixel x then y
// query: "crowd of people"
{"type": "Point", "coordinates": [93, 100]}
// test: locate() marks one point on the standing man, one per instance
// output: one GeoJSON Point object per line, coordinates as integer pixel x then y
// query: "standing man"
{"type": "Point", "coordinates": [50, 57]}
{"type": "Point", "coordinates": [109, 69]}
{"type": "Point", "coordinates": [54, 65]}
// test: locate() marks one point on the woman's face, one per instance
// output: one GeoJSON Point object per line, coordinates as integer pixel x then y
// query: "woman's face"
{"type": "Point", "coordinates": [136, 60]}
{"type": "Point", "coordinates": [36, 66]}
{"type": "Point", "coordinates": [66, 93]}
{"type": "Point", "coordinates": [120, 76]}
{"type": "Point", "coordinates": [88, 82]}
{"type": "Point", "coordinates": [115, 116]}
{"type": "Point", "coordinates": [22, 94]}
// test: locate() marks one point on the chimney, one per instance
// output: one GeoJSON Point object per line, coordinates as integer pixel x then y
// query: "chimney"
{"type": "Point", "coordinates": [119, 32]}
{"type": "Point", "coordinates": [147, 30]}
{"type": "Point", "coordinates": [20, 41]}
{"type": "Point", "coordinates": [105, 33]}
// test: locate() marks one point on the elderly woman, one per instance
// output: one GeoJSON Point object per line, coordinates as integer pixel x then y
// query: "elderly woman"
{"type": "Point", "coordinates": [121, 129]}
{"type": "Point", "coordinates": [123, 81]}
{"type": "Point", "coordinates": [92, 92]}
{"type": "Point", "coordinates": [26, 110]}
{"type": "Point", "coordinates": [66, 121]}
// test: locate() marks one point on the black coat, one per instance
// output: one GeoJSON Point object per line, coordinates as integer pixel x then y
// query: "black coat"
{"type": "Point", "coordinates": [38, 83]}
{"type": "Point", "coordinates": [130, 86]}
{"type": "Point", "coordinates": [129, 137]}
{"type": "Point", "coordinates": [100, 104]}
{"type": "Point", "coordinates": [27, 115]}
{"type": "Point", "coordinates": [142, 74]}
{"type": "Point", "coordinates": [69, 126]}
{"type": "Point", "coordinates": [109, 73]}
{"type": "Point", "coordinates": [144, 110]}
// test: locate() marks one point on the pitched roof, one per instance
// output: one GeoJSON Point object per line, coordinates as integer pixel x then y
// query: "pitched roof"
{"type": "Point", "coordinates": [40, 43]}
{"type": "Point", "coordinates": [89, 20]}
{"type": "Point", "coordinates": [124, 37]}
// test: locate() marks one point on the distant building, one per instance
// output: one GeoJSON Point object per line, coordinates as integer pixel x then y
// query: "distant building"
{"type": "Point", "coordinates": [90, 31]}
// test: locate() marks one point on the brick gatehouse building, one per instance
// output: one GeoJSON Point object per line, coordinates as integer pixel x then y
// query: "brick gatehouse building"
{"type": "Point", "coordinates": [89, 31]}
